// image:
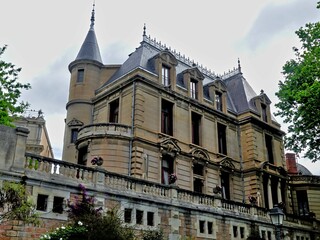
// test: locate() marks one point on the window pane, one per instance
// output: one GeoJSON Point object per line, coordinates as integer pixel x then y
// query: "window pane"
{"type": "Point", "coordinates": [114, 111]}
{"type": "Point", "coordinates": [219, 101]}
{"type": "Point", "coordinates": [74, 135]}
{"type": "Point", "coordinates": [150, 219]}
{"type": "Point", "coordinates": [165, 76]}
{"type": "Point", "coordinates": [222, 139]}
{"type": "Point", "coordinates": [127, 215]}
{"type": "Point", "coordinates": [202, 226]}
{"type": "Point", "coordinates": [42, 202]}
{"type": "Point", "coordinates": [139, 217]}
{"type": "Point", "coordinates": [57, 205]}
{"type": "Point", "coordinates": [166, 117]}
{"type": "Point", "coordinates": [80, 75]}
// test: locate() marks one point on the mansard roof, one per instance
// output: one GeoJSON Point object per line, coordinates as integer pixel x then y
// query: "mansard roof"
{"type": "Point", "coordinates": [90, 49]}
{"type": "Point", "coordinates": [240, 94]}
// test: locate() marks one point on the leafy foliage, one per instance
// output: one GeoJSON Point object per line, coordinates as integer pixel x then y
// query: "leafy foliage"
{"type": "Point", "coordinates": [15, 204]}
{"type": "Point", "coordinates": [299, 94]}
{"type": "Point", "coordinates": [153, 235]}
{"type": "Point", "coordinates": [10, 91]}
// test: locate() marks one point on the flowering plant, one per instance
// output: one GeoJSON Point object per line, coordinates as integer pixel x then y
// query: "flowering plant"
{"type": "Point", "coordinates": [172, 178]}
{"type": "Point", "coordinates": [252, 199]}
{"type": "Point", "coordinates": [217, 189]}
{"type": "Point", "coordinates": [97, 161]}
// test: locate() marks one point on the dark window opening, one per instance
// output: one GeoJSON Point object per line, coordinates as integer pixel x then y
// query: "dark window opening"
{"type": "Point", "coordinates": [114, 111]}
{"type": "Point", "coordinates": [225, 185]}
{"type": "Point", "coordinates": [263, 234]}
{"type": "Point", "coordinates": [269, 235]}
{"type": "Point", "coordinates": [166, 117]}
{"type": "Point", "coordinates": [194, 89]}
{"type": "Point", "coordinates": [303, 203]}
{"type": "Point", "coordinates": [74, 135]}
{"type": "Point", "coordinates": [167, 168]}
{"type": "Point", "coordinates": [139, 217]}
{"type": "Point", "coordinates": [127, 215]}
{"type": "Point", "coordinates": [202, 226]}
{"type": "Point", "coordinates": [235, 231]}
{"type": "Point", "coordinates": [82, 156]}
{"type": "Point", "coordinates": [198, 169]}
{"type": "Point", "coordinates": [195, 128]}
{"type": "Point", "coordinates": [222, 139]}
{"type": "Point", "coordinates": [80, 75]}
{"type": "Point", "coordinates": [42, 202]}
{"type": "Point", "coordinates": [219, 101]}
{"type": "Point", "coordinates": [150, 219]}
{"type": "Point", "coordinates": [210, 228]}
{"type": "Point", "coordinates": [241, 232]}
{"type": "Point", "coordinates": [198, 185]}
{"type": "Point", "coordinates": [58, 205]}
{"type": "Point", "coordinates": [264, 112]}
{"type": "Point", "coordinates": [165, 76]}
{"type": "Point", "coordinates": [268, 140]}
{"type": "Point", "coordinates": [274, 190]}
{"type": "Point", "coordinates": [265, 190]}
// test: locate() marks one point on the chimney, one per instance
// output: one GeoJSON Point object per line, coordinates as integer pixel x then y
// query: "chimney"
{"type": "Point", "coordinates": [291, 163]}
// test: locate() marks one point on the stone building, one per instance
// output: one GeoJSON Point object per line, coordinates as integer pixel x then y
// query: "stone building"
{"type": "Point", "coordinates": [173, 145]}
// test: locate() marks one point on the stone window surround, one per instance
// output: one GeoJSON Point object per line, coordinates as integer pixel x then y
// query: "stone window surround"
{"type": "Point", "coordinates": [206, 220]}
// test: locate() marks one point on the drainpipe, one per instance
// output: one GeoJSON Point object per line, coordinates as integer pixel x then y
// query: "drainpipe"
{"type": "Point", "coordinates": [132, 125]}
{"type": "Point", "coordinates": [241, 163]}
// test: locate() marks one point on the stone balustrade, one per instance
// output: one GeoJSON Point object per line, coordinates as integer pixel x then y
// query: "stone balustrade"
{"type": "Point", "coordinates": [103, 129]}
{"type": "Point", "coordinates": [38, 166]}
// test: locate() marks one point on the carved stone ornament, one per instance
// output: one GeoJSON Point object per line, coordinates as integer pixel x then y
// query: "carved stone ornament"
{"type": "Point", "coordinates": [198, 153]}
{"type": "Point", "coordinates": [75, 122]}
{"type": "Point", "coordinates": [227, 163]}
{"type": "Point", "coordinates": [169, 146]}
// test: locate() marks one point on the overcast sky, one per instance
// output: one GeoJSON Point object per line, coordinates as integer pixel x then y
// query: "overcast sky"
{"type": "Point", "coordinates": [44, 36]}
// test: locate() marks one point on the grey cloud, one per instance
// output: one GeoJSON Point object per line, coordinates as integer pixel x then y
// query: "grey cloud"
{"type": "Point", "coordinates": [274, 19]}
{"type": "Point", "coordinates": [50, 90]}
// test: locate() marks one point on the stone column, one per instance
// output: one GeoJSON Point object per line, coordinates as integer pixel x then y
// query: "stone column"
{"type": "Point", "coordinates": [279, 191]}
{"type": "Point", "coordinates": [270, 201]}
{"type": "Point", "coordinates": [20, 150]}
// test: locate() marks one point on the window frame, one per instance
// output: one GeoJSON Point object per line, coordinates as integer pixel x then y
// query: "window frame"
{"type": "Point", "coordinates": [114, 111]}
{"type": "Point", "coordinates": [222, 138]}
{"type": "Point", "coordinates": [80, 75]}
{"type": "Point", "coordinates": [193, 89]}
{"type": "Point", "coordinates": [167, 117]}
{"type": "Point", "coordinates": [165, 75]}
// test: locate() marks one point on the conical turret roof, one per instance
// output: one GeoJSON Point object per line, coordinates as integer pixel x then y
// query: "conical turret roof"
{"type": "Point", "coordinates": [90, 48]}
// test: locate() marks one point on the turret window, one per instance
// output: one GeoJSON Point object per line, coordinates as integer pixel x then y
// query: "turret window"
{"type": "Point", "coordinates": [80, 76]}
{"type": "Point", "coordinates": [114, 111]}
{"type": "Point", "coordinates": [264, 112]}
{"type": "Point", "coordinates": [74, 135]}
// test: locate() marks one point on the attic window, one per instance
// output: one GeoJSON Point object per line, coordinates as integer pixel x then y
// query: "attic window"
{"type": "Point", "coordinates": [218, 101]}
{"type": "Point", "coordinates": [80, 75]}
{"type": "Point", "coordinates": [165, 76]}
{"type": "Point", "coordinates": [194, 89]}
{"type": "Point", "coordinates": [264, 112]}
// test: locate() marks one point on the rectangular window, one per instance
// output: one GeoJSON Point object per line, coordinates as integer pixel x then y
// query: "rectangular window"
{"type": "Point", "coordinates": [166, 76]}
{"type": "Point", "coordinates": [150, 218]}
{"type": "Point", "coordinates": [263, 234]}
{"type": "Point", "coordinates": [167, 168]}
{"type": "Point", "coordinates": [166, 117]}
{"type": "Point", "coordinates": [74, 135]}
{"type": "Point", "coordinates": [198, 178]}
{"type": "Point", "coordinates": [303, 203]}
{"type": "Point", "coordinates": [264, 112]}
{"type": "Point", "coordinates": [58, 205]}
{"type": "Point", "coordinates": [225, 184]}
{"type": "Point", "coordinates": [114, 111]}
{"type": "Point", "coordinates": [222, 139]}
{"type": "Point", "coordinates": [219, 101]}
{"type": "Point", "coordinates": [241, 232]}
{"type": "Point", "coordinates": [193, 89]}
{"type": "Point", "coordinates": [202, 226]}
{"type": "Point", "coordinates": [195, 128]}
{"type": "Point", "coordinates": [269, 235]}
{"type": "Point", "coordinates": [80, 75]}
{"type": "Point", "coordinates": [42, 202]}
{"type": "Point", "coordinates": [127, 215]}
{"type": "Point", "coordinates": [139, 217]}
{"type": "Point", "coordinates": [82, 156]}
{"type": "Point", "coordinates": [235, 231]}
{"type": "Point", "coordinates": [210, 228]}
{"type": "Point", "coordinates": [268, 140]}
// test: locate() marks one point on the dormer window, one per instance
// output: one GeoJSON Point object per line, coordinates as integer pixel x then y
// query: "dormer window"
{"type": "Point", "coordinates": [166, 76]}
{"type": "Point", "coordinates": [264, 112]}
{"type": "Point", "coordinates": [218, 99]}
{"type": "Point", "coordinates": [194, 89]}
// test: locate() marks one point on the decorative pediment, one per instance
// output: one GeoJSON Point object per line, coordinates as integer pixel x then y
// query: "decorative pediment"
{"type": "Point", "coordinates": [198, 153]}
{"type": "Point", "coordinates": [168, 57]}
{"type": "Point", "coordinates": [263, 98]}
{"type": "Point", "coordinates": [219, 85]}
{"type": "Point", "coordinates": [194, 73]}
{"type": "Point", "coordinates": [169, 146]}
{"type": "Point", "coordinates": [227, 163]}
{"type": "Point", "coordinates": [75, 122]}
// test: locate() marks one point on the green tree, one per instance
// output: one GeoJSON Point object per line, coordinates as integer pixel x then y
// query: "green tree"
{"type": "Point", "coordinates": [10, 91]}
{"type": "Point", "coordinates": [299, 94]}
{"type": "Point", "coordinates": [15, 205]}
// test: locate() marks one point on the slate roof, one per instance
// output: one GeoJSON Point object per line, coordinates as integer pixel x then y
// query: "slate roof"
{"type": "Point", "coordinates": [302, 170]}
{"type": "Point", "coordinates": [239, 93]}
{"type": "Point", "coordinates": [90, 49]}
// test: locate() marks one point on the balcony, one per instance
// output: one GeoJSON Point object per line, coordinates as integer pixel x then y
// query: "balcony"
{"type": "Point", "coordinates": [104, 129]}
